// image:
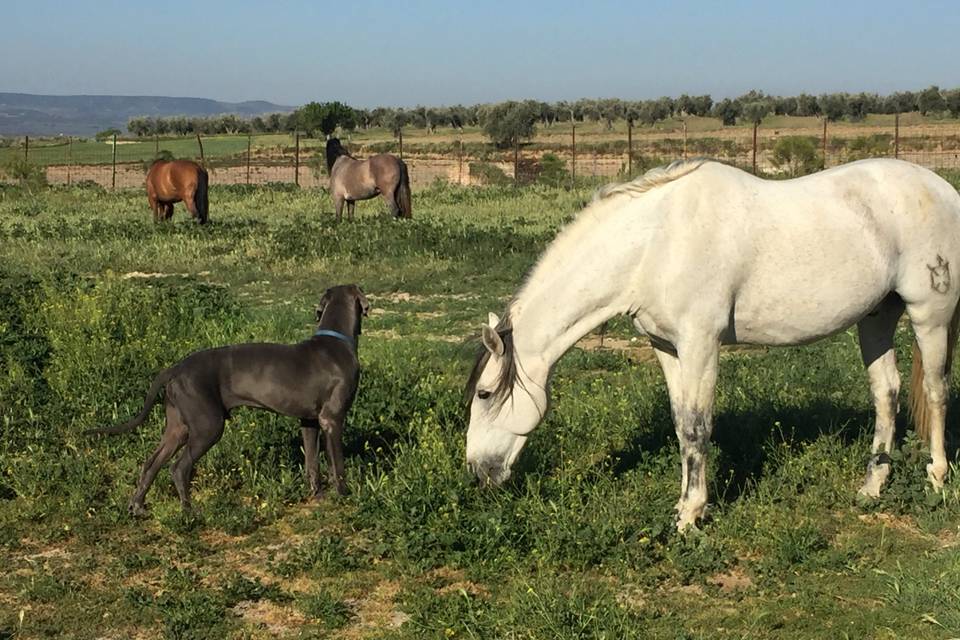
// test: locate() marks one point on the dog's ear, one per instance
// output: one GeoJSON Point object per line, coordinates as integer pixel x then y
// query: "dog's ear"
{"type": "Point", "coordinates": [323, 304]}
{"type": "Point", "coordinates": [362, 301]}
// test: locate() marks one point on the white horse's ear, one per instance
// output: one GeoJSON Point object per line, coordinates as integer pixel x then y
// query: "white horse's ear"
{"type": "Point", "coordinates": [493, 320]}
{"type": "Point", "coordinates": [492, 341]}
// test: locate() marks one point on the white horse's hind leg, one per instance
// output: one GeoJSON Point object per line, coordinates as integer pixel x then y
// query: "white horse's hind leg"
{"type": "Point", "coordinates": [694, 422]}
{"type": "Point", "coordinates": [933, 340]}
{"type": "Point", "coordinates": [876, 347]}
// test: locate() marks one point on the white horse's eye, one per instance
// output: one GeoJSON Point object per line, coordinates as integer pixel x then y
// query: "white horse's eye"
{"type": "Point", "coordinates": [483, 395]}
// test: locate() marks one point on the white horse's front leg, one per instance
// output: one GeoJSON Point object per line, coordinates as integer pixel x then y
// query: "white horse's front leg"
{"type": "Point", "coordinates": [696, 376]}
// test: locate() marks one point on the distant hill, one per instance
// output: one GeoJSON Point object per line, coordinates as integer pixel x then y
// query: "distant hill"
{"type": "Point", "coordinates": [27, 114]}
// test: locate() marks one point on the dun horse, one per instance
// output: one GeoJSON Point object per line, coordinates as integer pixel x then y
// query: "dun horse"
{"type": "Point", "coordinates": [170, 181]}
{"type": "Point", "coordinates": [699, 254]}
{"type": "Point", "coordinates": [352, 180]}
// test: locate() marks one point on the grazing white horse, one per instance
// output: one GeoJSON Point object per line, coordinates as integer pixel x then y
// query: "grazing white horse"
{"type": "Point", "coordinates": [701, 254]}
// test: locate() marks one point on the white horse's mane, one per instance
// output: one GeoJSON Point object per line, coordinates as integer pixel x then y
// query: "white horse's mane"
{"type": "Point", "coordinates": [651, 179]}
{"type": "Point", "coordinates": [569, 237]}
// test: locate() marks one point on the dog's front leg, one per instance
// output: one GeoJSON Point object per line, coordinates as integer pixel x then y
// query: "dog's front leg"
{"type": "Point", "coordinates": [311, 444]}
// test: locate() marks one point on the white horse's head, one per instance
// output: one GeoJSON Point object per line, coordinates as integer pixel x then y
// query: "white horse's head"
{"type": "Point", "coordinates": [505, 401]}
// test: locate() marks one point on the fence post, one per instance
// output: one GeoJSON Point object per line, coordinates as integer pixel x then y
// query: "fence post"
{"type": "Point", "coordinates": [156, 145]}
{"type": "Point", "coordinates": [460, 163]}
{"type": "Point", "coordinates": [824, 142]}
{"type": "Point", "coordinates": [573, 139]}
{"type": "Point", "coordinates": [113, 175]}
{"type": "Point", "coordinates": [629, 148]}
{"type": "Point", "coordinates": [896, 135]}
{"type": "Point", "coordinates": [755, 125]}
{"type": "Point", "coordinates": [684, 139]}
{"type": "Point", "coordinates": [26, 148]}
{"type": "Point", "coordinates": [400, 134]}
{"type": "Point", "coordinates": [296, 160]}
{"type": "Point", "coordinates": [516, 162]}
{"type": "Point", "coordinates": [69, 158]}
{"type": "Point", "coordinates": [203, 162]}
{"type": "Point", "coordinates": [248, 158]}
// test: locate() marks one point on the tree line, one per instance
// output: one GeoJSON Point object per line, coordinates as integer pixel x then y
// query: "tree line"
{"type": "Point", "coordinates": [509, 122]}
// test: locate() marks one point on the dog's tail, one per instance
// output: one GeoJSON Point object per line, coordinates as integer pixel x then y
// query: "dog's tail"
{"type": "Point", "coordinates": [403, 192]}
{"type": "Point", "coordinates": [149, 401]}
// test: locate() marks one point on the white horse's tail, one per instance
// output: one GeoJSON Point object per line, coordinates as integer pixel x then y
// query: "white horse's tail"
{"type": "Point", "coordinates": [919, 407]}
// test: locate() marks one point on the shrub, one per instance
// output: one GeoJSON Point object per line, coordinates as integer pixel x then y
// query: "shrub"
{"type": "Point", "coordinates": [488, 173]}
{"type": "Point", "coordinates": [29, 176]}
{"type": "Point", "coordinates": [553, 170]}
{"type": "Point", "coordinates": [796, 155]}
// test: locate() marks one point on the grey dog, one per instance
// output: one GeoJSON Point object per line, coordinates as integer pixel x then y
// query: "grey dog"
{"type": "Point", "coordinates": [315, 380]}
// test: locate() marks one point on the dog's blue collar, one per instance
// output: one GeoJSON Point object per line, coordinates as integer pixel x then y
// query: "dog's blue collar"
{"type": "Point", "coordinates": [336, 334]}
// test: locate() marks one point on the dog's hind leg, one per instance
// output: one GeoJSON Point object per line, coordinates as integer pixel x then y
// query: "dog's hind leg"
{"type": "Point", "coordinates": [311, 445]}
{"type": "Point", "coordinates": [174, 437]}
{"type": "Point", "coordinates": [332, 417]}
{"type": "Point", "coordinates": [206, 426]}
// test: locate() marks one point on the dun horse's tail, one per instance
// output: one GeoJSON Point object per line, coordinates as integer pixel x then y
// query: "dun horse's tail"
{"type": "Point", "coordinates": [919, 407]}
{"type": "Point", "coordinates": [403, 192]}
{"type": "Point", "coordinates": [149, 401]}
{"type": "Point", "coordinates": [200, 197]}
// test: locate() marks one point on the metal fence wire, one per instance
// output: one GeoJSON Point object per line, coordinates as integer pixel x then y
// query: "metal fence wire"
{"type": "Point", "coordinates": [567, 157]}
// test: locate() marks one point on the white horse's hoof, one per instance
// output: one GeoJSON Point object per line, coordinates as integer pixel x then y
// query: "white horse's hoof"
{"type": "Point", "coordinates": [936, 476]}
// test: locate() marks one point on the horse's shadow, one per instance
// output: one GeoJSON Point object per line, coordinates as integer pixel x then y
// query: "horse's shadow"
{"type": "Point", "coordinates": [745, 439]}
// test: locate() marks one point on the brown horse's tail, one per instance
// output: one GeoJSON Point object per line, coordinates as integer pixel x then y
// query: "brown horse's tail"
{"type": "Point", "coordinates": [200, 197]}
{"type": "Point", "coordinates": [158, 383]}
{"type": "Point", "coordinates": [402, 195]}
{"type": "Point", "coordinates": [919, 407]}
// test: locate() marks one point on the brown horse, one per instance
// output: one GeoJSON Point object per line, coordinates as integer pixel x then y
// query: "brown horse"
{"type": "Point", "coordinates": [170, 181]}
{"type": "Point", "coordinates": [352, 180]}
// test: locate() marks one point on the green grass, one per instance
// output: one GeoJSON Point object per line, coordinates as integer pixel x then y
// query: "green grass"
{"type": "Point", "coordinates": [579, 544]}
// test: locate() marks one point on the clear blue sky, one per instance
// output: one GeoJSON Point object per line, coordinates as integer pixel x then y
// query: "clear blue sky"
{"type": "Point", "coordinates": [429, 52]}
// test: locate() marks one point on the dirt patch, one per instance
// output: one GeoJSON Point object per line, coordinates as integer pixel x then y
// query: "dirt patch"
{"type": "Point", "coordinates": [733, 580]}
{"type": "Point", "coordinates": [274, 619]}
{"type": "Point", "coordinates": [375, 612]}
{"type": "Point", "coordinates": [639, 350]}
{"type": "Point", "coordinates": [903, 524]}
{"type": "Point", "coordinates": [141, 274]}
{"type": "Point", "coordinates": [391, 334]}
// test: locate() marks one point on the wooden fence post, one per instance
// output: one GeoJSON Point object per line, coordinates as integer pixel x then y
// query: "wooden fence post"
{"type": "Point", "coordinates": [824, 143]}
{"type": "Point", "coordinates": [629, 148]}
{"type": "Point", "coordinates": [69, 158]}
{"type": "Point", "coordinates": [896, 136]}
{"type": "Point", "coordinates": [400, 135]}
{"type": "Point", "coordinates": [755, 125]}
{"type": "Point", "coordinates": [113, 178]}
{"type": "Point", "coordinates": [684, 139]}
{"type": "Point", "coordinates": [26, 148]}
{"type": "Point", "coordinates": [516, 162]}
{"type": "Point", "coordinates": [573, 145]}
{"type": "Point", "coordinates": [203, 162]}
{"type": "Point", "coordinates": [296, 160]}
{"type": "Point", "coordinates": [156, 145]}
{"type": "Point", "coordinates": [460, 163]}
{"type": "Point", "coordinates": [248, 158]}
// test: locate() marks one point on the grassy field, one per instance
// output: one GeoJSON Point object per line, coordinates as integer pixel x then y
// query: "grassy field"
{"type": "Point", "coordinates": [95, 299]}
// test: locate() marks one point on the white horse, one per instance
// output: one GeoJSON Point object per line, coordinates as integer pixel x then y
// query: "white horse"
{"type": "Point", "coordinates": [701, 254]}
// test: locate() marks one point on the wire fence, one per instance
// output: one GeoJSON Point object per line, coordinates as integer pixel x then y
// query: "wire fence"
{"type": "Point", "coordinates": [562, 156]}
